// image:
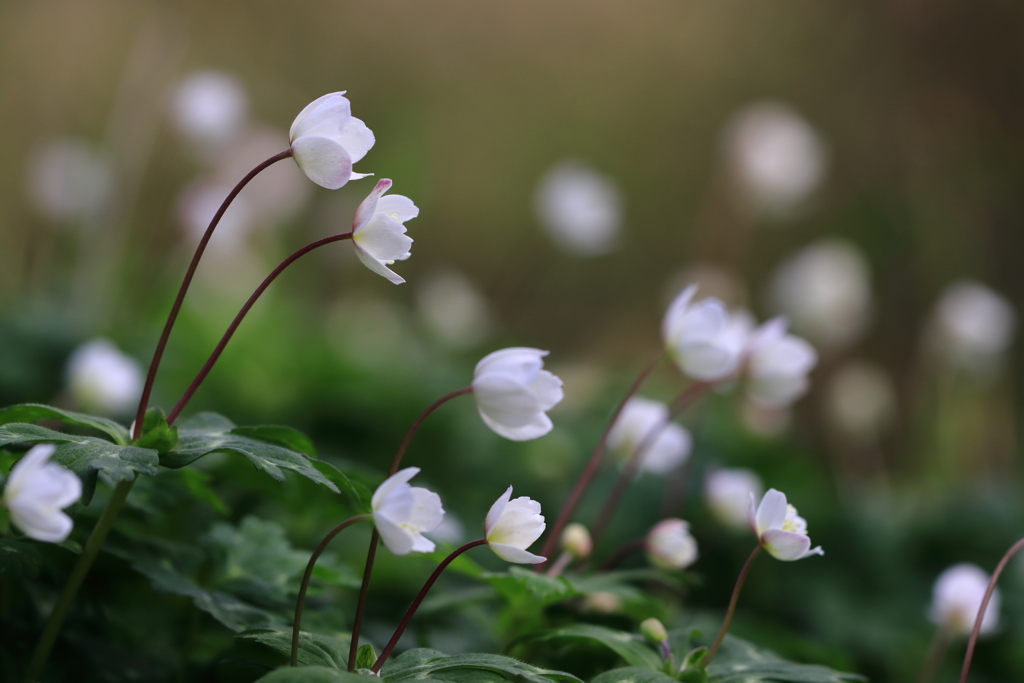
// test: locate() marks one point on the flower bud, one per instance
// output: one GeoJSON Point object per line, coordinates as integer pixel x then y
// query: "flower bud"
{"type": "Point", "coordinates": [576, 541]}
{"type": "Point", "coordinates": [602, 602]}
{"type": "Point", "coordinates": [669, 545]}
{"type": "Point", "coordinates": [654, 631]}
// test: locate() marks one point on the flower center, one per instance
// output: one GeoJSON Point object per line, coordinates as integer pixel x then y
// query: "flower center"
{"type": "Point", "coordinates": [794, 523]}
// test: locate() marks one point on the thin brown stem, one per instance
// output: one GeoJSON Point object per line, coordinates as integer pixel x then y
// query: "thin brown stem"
{"type": "Point", "coordinates": [732, 606]}
{"type": "Point", "coordinates": [984, 605]}
{"type": "Point", "coordinates": [300, 602]}
{"type": "Point", "coordinates": [241, 314]}
{"type": "Point", "coordinates": [176, 307]}
{"type": "Point", "coordinates": [635, 546]}
{"type": "Point", "coordinates": [933, 658]}
{"type": "Point", "coordinates": [419, 598]}
{"type": "Point", "coordinates": [419, 420]}
{"type": "Point", "coordinates": [591, 468]}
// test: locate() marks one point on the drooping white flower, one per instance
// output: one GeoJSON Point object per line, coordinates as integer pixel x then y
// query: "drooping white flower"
{"type": "Point", "coordinates": [454, 310]}
{"type": "Point", "coordinates": [705, 340]}
{"type": "Point", "coordinates": [70, 179]}
{"type": "Point", "coordinates": [670, 545]}
{"type": "Point", "coordinates": [513, 393]}
{"type": "Point", "coordinates": [378, 232]}
{"type": "Point", "coordinates": [975, 325]}
{"type": "Point", "coordinates": [402, 513]}
{"type": "Point", "coordinates": [579, 208]}
{"type": "Point", "coordinates": [511, 526]}
{"type": "Point", "coordinates": [208, 107]}
{"type": "Point", "coordinates": [36, 493]}
{"type": "Point", "coordinates": [956, 599]}
{"type": "Point", "coordinates": [728, 490]}
{"type": "Point", "coordinates": [102, 379]}
{"type": "Point", "coordinates": [645, 422]}
{"type": "Point", "coordinates": [861, 400]}
{"type": "Point", "coordinates": [326, 140]}
{"type": "Point", "coordinates": [780, 530]}
{"type": "Point", "coordinates": [778, 364]}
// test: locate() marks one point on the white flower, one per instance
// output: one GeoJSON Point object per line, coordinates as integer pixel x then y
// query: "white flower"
{"type": "Point", "coordinates": [974, 324]}
{"type": "Point", "coordinates": [454, 310]}
{"type": "Point", "coordinates": [513, 392]}
{"type": "Point", "coordinates": [208, 107]}
{"type": "Point", "coordinates": [102, 379]}
{"type": "Point", "coordinates": [703, 338]}
{"type": "Point", "coordinates": [70, 179]}
{"type": "Point", "coordinates": [402, 512]}
{"type": "Point", "coordinates": [511, 526]}
{"type": "Point", "coordinates": [670, 545]}
{"type": "Point", "coordinates": [861, 400]}
{"type": "Point", "coordinates": [780, 530]}
{"type": "Point", "coordinates": [37, 491]}
{"type": "Point", "coordinates": [778, 364]}
{"type": "Point", "coordinates": [580, 208]}
{"type": "Point", "coordinates": [956, 599]}
{"type": "Point", "coordinates": [326, 140]}
{"type": "Point", "coordinates": [645, 421]}
{"type": "Point", "coordinates": [728, 491]}
{"type": "Point", "coordinates": [378, 232]}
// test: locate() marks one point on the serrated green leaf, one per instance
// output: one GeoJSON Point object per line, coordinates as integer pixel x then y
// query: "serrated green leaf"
{"type": "Point", "coordinates": [420, 664]}
{"type": "Point", "coordinates": [632, 674]}
{"type": "Point", "coordinates": [738, 661]}
{"type": "Point", "coordinates": [626, 645]}
{"type": "Point", "coordinates": [156, 434]}
{"type": "Point", "coordinates": [314, 650]}
{"type": "Point", "coordinates": [313, 674]}
{"type": "Point", "coordinates": [520, 583]}
{"type": "Point", "coordinates": [256, 561]}
{"type": "Point", "coordinates": [19, 559]}
{"type": "Point", "coordinates": [207, 433]}
{"type": "Point", "coordinates": [33, 412]}
{"type": "Point", "coordinates": [358, 495]}
{"type": "Point", "coordinates": [285, 436]}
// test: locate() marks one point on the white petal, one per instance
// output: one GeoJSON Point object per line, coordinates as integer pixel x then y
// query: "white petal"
{"type": "Point", "coordinates": [537, 427]}
{"type": "Point", "coordinates": [332, 107]}
{"type": "Point", "coordinates": [421, 544]}
{"type": "Point", "coordinates": [398, 207]}
{"type": "Point", "coordinates": [515, 555]}
{"type": "Point", "coordinates": [392, 483]}
{"type": "Point", "coordinates": [670, 449]}
{"type": "Point", "coordinates": [514, 359]}
{"type": "Point", "coordinates": [547, 389]}
{"type": "Point", "coordinates": [703, 322]}
{"type": "Point", "coordinates": [383, 238]}
{"type": "Point", "coordinates": [771, 513]}
{"type": "Point", "coordinates": [426, 511]}
{"type": "Point", "coordinates": [47, 525]}
{"type": "Point", "coordinates": [357, 139]}
{"type": "Point", "coordinates": [368, 206]}
{"type": "Point", "coordinates": [504, 399]}
{"type": "Point", "coordinates": [494, 514]}
{"type": "Point", "coordinates": [786, 545]}
{"type": "Point", "coordinates": [519, 525]}
{"type": "Point", "coordinates": [707, 361]}
{"type": "Point", "coordinates": [323, 160]}
{"type": "Point", "coordinates": [398, 540]}
{"type": "Point", "coordinates": [378, 267]}
{"type": "Point", "coordinates": [675, 312]}
{"type": "Point", "coordinates": [359, 176]}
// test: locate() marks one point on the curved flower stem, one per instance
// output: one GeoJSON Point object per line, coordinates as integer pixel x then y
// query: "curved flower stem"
{"type": "Point", "coordinates": [419, 598]}
{"type": "Point", "coordinates": [160, 345]}
{"type": "Point", "coordinates": [984, 605]}
{"type": "Point", "coordinates": [628, 473]}
{"type": "Point", "coordinates": [357, 622]}
{"type": "Point", "coordinates": [241, 314]}
{"type": "Point", "coordinates": [305, 580]}
{"type": "Point", "coordinates": [933, 658]}
{"type": "Point", "coordinates": [732, 606]}
{"type": "Point", "coordinates": [75, 579]}
{"type": "Point", "coordinates": [591, 468]}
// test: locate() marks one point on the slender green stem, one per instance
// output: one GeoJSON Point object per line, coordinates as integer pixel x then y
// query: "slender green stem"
{"type": "Point", "coordinates": [984, 605]}
{"type": "Point", "coordinates": [300, 601]}
{"type": "Point", "coordinates": [419, 598]}
{"type": "Point", "coordinates": [140, 413]}
{"type": "Point", "coordinates": [364, 589]}
{"type": "Point", "coordinates": [933, 658]}
{"type": "Point", "coordinates": [732, 606]}
{"type": "Point", "coordinates": [75, 579]}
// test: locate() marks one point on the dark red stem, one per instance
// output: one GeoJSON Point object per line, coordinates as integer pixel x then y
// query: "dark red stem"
{"type": "Point", "coordinates": [176, 308]}
{"type": "Point", "coordinates": [984, 605]}
{"type": "Point", "coordinates": [241, 314]}
{"type": "Point", "coordinates": [419, 598]}
{"type": "Point", "coordinates": [732, 606]}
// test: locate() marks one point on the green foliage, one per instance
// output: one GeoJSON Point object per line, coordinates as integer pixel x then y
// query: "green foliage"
{"type": "Point", "coordinates": [314, 649]}
{"type": "Point", "coordinates": [738, 661]}
{"type": "Point", "coordinates": [34, 412]}
{"type": "Point", "coordinates": [365, 657]}
{"type": "Point", "coordinates": [633, 674]}
{"type": "Point", "coordinates": [629, 647]}
{"type": "Point", "coordinates": [18, 559]}
{"type": "Point", "coordinates": [313, 674]}
{"type": "Point", "coordinates": [422, 664]}
{"type": "Point", "coordinates": [156, 434]}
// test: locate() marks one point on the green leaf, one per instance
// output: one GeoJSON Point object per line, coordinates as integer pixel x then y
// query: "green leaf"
{"type": "Point", "coordinates": [156, 434]}
{"type": "Point", "coordinates": [358, 495]}
{"type": "Point", "coordinates": [421, 664]}
{"type": "Point", "coordinates": [626, 645]}
{"type": "Point", "coordinates": [207, 433]}
{"type": "Point", "coordinates": [365, 657]}
{"type": "Point", "coordinates": [256, 561]}
{"type": "Point", "coordinates": [85, 455]}
{"type": "Point", "coordinates": [314, 674]}
{"type": "Point", "coordinates": [33, 412]}
{"type": "Point", "coordinates": [285, 436]}
{"type": "Point", "coordinates": [19, 559]}
{"type": "Point", "coordinates": [632, 674]}
{"type": "Point", "coordinates": [738, 661]}
{"type": "Point", "coordinates": [314, 650]}
{"type": "Point", "coordinates": [519, 583]}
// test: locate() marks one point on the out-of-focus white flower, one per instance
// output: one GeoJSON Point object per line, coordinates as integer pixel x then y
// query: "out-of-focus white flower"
{"type": "Point", "coordinates": [449, 531]}
{"type": "Point", "coordinates": [778, 364]}
{"type": "Point", "coordinates": [602, 602]}
{"type": "Point", "coordinates": [454, 310]}
{"type": "Point", "coordinates": [513, 393]}
{"type": "Point", "coordinates": [975, 325]}
{"type": "Point", "coordinates": [956, 599]}
{"type": "Point", "coordinates": [511, 526]}
{"type": "Point", "coordinates": [70, 179]}
{"type": "Point", "coordinates": [580, 208]}
{"type": "Point", "coordinates": [644, 421]}
{"type": "Point", "coordinates": [576, 541]}
{"type": "Point", "coordinates": [825, 291]}
{"type": "Point", "coordinates": [208, 107]}
{"type": "Point", "coordinates": [705, 340]}
{"type": "Point", "coordinates": [378, 232]}
{"type": "Point", "coordinates": [861, 400]}
{"type": "Point", "coordinates": [402, 513]}
{"type": "Point", "coordinates": [728, 492]}
{"type": "Point", "coordinates": [670, 545]}
{"type": "Point", "coordinates": [197, 205]}
{"type": "Point", "coordinates": [102, 379]}
{"type": "Point", "coordinates": [780, 530]}
{"type": "Point", "coordinates": [37, 491]}
{"type": "Point", "coordinates": [776, 158]}
{"type": "Point", "coordinates": [326, 140]}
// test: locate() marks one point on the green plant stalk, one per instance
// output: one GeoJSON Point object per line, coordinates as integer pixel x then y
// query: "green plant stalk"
{"type": "Point", "coordinates": [75, 579]}
{"type": "Point", "coordinates": [732, 606]}
{"type": "Point", "coordinates": [984, 605]}
{"type": "Point", "coordinates": [933, 658]}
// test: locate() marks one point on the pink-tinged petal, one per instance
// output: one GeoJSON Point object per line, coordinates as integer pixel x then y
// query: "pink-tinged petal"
{"type": "Point", "coordinates": [398, 207]}
{"type": "Point", "coordinates": [494, 514]}
{"type": "Point", "coordinates": [357, 139]}
{"type": "Point", "coordinates": [786, 545]}
{"type": "Point", "coordinates": [332, 111]}
{"type": "Point", "coordinates": [752, 515]}
{"type": "Point", "coordinates": [515, 555]}
{"type": "Point", "coordinates": [771, 513]}
{"type": "Point", "coordinates": [377, 267]}
{"type": "Point", "coordinates": [383, 238]}
{"type": "Point", "coordinates": [368, 207]}
{"type": "Point", "coordinates": [391, 483]}
{"type": "Point", "coordinates": [323, 160]}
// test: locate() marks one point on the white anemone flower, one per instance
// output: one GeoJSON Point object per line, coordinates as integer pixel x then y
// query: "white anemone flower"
{"type": "Point", "coordinates": [670, 545]}
{"type": "Point", "coordinates": [208, 107]}
{"type": "Point", "coordinates": [580, 209]}
{"type": "Point", "coordinates": [645, 422]}
{"type": "Point", "coordinates": [778, 365]}
{"type": "Point", "coordinates": [511, 526]}
{"type": "Point", "coordinates": [728, 490]}
{"type": "Point", "coordinates": [102, 379]}
{"type": "Point", "coordinates": [378, 232]}
{"type": "Point", "coordinates": [956, 599]}
{"type": "Point", "coordinates": [326, 140]}
{"type": "Point", "coordinates": [974, 325]}
{"type": "Point", "coordinates": [402, 513]}
{"type": "Point", "coordinates": [37, 491]}
{"type": "Point", "coordinates": [780, 530]}
{"type": "Point", "coordinates": [513, 393]}
{"type": "Point", "coordinates": [705, 340]}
